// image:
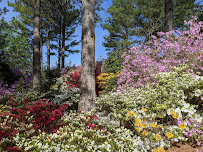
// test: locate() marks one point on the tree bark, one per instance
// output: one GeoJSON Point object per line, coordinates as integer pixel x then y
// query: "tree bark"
{"type": "Point", "coordinates": [59, 49]}
{"type": "Point", "coordinates": [87, 78]}
{"type": "Point", "coordinates": [48, 50]}
{"type": "Point", "coordinates": [63, 44]}
{"type": "Point", "coordinates": [41, 56]}
{"type": "Point", "coordinates": [168, 15]}
{"type": "Point", "coordinates": [36, 50]}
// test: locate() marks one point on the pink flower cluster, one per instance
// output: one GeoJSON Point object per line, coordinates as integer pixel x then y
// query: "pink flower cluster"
{"type": "Point", "coordinates": [161, 54]}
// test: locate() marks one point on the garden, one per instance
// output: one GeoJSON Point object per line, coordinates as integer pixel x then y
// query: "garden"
{"type": "Point", "coordinates": [151, 104]}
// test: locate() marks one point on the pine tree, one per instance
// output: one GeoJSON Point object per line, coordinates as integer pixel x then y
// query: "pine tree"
{"type": "Point", "coordinates": [52, 14]}
{"type": "Point", "coordinates": [15, 46]}
{"type": "Point", "coordinates": [121, 25]}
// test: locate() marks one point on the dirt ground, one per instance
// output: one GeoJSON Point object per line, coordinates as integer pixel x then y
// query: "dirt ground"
{"type": "Point", "coordinates": [185, 147]}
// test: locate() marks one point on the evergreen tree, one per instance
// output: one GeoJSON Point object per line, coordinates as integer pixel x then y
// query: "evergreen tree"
{"type": "Point", "coordinates": [15, 46]}
{"type": "Point", "coordinates": [53, 15]}
{"type": "Point", "coordinates": [121, 25]}
{"type": "Point", "coordinates": [122, 28]}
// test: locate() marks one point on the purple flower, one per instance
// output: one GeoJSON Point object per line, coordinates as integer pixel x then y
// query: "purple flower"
{"type": "Point", "coordinates": [196, 125]}
{"type": "Point", "coordinates": [188, 122]}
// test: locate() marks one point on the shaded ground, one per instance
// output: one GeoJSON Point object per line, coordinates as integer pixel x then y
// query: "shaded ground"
{"type": "Point", "coordinates": [185, 147]}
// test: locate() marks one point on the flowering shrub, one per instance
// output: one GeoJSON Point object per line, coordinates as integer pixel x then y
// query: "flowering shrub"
{"type": "Point", "coordinates": [28, 119]}
{"type": "Point", "coordinates": [161, 54]}
{"type": "Point", "coordinates": [17, 88]}
{"type": "Point", "coordinates": [107, 82]}
{"type": "Point", "coordinates": [42, 113]}
{"type": "Point", "coordinates": [83, 132]}
{"type": "Point", "coordinates": [67, 96]}
{"type": "Point", "coordinates": [194, 131]}
{"type": "Point", "coordinates": [153, 109]}
{"type": "Point", "coordinates": [71, 79]}
{"type": "Point", "coordinates": [157, 114]}
{"type": "Point", "coordinates": [173, 90]}
{"type": "Point", "coordinates": [3, 108]}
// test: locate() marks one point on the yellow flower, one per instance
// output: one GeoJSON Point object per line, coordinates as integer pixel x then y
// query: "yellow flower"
{"type": "Point", "coordinates": [160, 126]}
{"type": "Point", "coordinates": [131, 113]}
{"type": "Point", "coordinates": [145, 133]}
{"type": "Point", "coordinates": [158, 150]}
{"type": "Point", "coordinates": [182, 126]}
{"type": "Point", "coordinates": [54, 86]}
{"type": "Point", "coordinates": [138, 129]}
{"type": "Point", "coordinates": [128, 115]}
{"type": "Point", "coordinates": [144, 109]}
{"type": "Point", "coordinates": [137, 124]}
{"type": "Point", "coordinates": [173, 112]}
{"type": "Point", "coordinates": [169, 135]}
{"type": "Point", "coordinates": [153, 125]}
{"type": "Point", "coordinates": [158, 137]}
{"type": "Point", "coordinates": [175, 116]}
{"type": "Point", "coordinates": [138, 120]}
{"type": "Point", "coordinates": [134, 114]}
{"type": "Point", "coordinates": [143, 125]}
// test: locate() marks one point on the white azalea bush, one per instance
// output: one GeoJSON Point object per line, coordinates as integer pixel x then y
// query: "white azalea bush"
{"type": "Point", "coordinates": [82, 132]}
{"type": "Point", "coordinates": [177, 90]}
{"type": "Point", "coordinates": [64, 94]}
{"type": "Point", "coordinates": [160, 110]}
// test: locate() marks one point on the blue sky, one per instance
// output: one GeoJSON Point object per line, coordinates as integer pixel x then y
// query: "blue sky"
{"type": "Point", "coordinates": [73, 58]}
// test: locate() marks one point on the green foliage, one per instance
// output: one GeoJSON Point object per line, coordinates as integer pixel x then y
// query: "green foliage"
{"type": "Point", "coordinates": [15, 47]}
{"type": "Point", "coordinates": [113, 62]}
{"type": "Point", "coordinates": [153, 14]}
{"type": "Point", "coordinates": [121, 25]}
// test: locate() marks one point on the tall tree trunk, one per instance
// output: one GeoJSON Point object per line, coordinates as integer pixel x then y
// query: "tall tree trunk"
{"type": "Point", "coordinates": [48, 50]}
{"type": "Point", "coordinates": [63, 43]}
{"type": "Point", "coordinates": [36, 50]}
{"type": "Point", "coordinates": [168, 15]}
{"type": "Point", "coordinates": [87, 78]}
{"type": "Point", "coordinates": [59, 49]}
{"type": "Point", "coordinates": [41, 57]}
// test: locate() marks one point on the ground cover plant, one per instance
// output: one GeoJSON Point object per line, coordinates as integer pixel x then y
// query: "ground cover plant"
{"type": "Point", "coordinates": [150, 110]}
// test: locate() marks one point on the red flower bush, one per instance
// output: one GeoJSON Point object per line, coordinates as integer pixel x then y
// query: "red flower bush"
{"type": "Point", "coordinates": [43, 114]}
{"type": "Point", "coordinates": [40, 114]}
{"type": "Point", "coordinates": [73, 77]}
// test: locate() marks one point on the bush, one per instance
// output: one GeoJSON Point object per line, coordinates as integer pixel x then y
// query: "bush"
{"type": "Point", "coordinates": [175, 90]}
{"type": "Point", "coordinates": [161, 54]}
{"type": "Point", "coordinates": [107, 82]}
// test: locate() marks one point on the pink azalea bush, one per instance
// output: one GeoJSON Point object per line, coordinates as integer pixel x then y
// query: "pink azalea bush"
{"type": "Point", "coordinates": [161, 54]}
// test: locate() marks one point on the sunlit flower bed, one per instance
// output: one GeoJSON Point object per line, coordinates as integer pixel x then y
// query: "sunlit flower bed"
{"type": "Point", "coordinates": [144, 119]}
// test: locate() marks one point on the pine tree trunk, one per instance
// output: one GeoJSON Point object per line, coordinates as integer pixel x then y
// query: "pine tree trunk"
{"type": "Point", "coordinates": [87, 78]}
{"type": "Point", "coordinates": [36, 50]}
{"type": "Point", "coordinates": [168, 15]}
{"type": "Point", "coordinates": [63, 44]}
{"type": "Point", "coordinates": [48, 50]}
{"type": "Point", "coordinates": [59, 51]}
{"type": "Point", "coordinates": [41, 57]}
